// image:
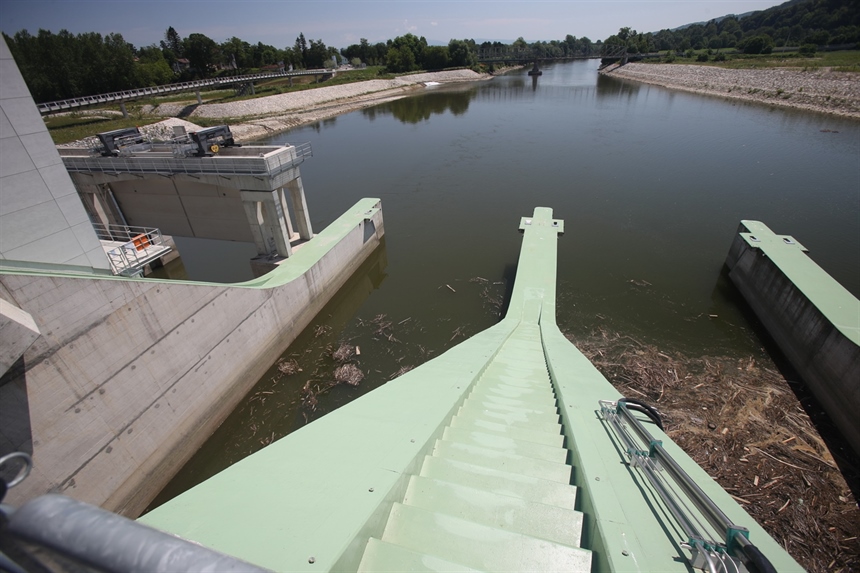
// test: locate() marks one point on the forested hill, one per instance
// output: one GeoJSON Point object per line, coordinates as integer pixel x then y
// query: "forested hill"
{"type": "Point", "coordinates": [794, 23]}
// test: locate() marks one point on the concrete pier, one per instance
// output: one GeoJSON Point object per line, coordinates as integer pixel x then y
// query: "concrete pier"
{"type": "Point", "coordinates": [113, 383]}
{"type": "Point", "coordinates": [129, 377]}
{"type": "Point", "coordinates": [814, 320]}
{"type": "Point", "coordinates": [249, 194]}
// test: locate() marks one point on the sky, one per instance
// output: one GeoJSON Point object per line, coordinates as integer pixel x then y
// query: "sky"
{"type": "Point", "coordinates": [339, 23]}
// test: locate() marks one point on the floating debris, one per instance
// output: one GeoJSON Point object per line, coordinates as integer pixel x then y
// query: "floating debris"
{"type": "Point", "coordinates": [321, 330]}
{"type": "Point", "coordinates": [288, 367]}
{"type": "Point", "coordinates": [767, 437]}
{"type": "Point", "coordinates": [348, 374]}
{"type": "Point", "coordinates": [403, 370]}
{"type": "Point", "coordinates": [344, 353]}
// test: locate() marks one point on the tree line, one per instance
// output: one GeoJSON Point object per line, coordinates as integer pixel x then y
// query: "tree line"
{"type": "Point", "coordinates": [65, 65]}
{"type": "Point", "coordinates": [797, 23]}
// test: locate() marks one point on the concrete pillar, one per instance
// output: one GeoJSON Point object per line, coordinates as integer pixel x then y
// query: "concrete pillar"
{"type": "Point", "coordinates": [124, 111]}
{"type": "Point", "coordinates": [268, 222]}
{"type": "Point", "coordinates": [199, 99]}
{"type": "Point", "coordinates": [300, 208]}
{"type": "Point", "coordinates": [252, 89]}
{"type": "Point", "coordinates": [284, 206]}
{"type": "Point", "coordinates": [254, 214]}
{"type": "Point", "coordinates": [94, 203]}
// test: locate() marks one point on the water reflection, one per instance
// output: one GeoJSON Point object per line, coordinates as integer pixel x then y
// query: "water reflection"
{"type": "Point", "coordinates": [608, 86]}
{"type": "Point", "coordinates": [272, 409]}
{"type": "Point", "coordinates": [420, 108]}
{"type": "Point", "coordinates": [651, 184]}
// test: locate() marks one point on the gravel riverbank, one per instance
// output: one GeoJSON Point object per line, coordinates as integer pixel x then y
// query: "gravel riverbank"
{"type": "Point", "coordinates": [257, 118]}
{"type": "Point", "coordinates": [820, 90]}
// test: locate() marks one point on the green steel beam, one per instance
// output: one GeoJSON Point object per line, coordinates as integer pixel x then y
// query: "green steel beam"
{"type": "Point", "coordinates": [834, 301]}
{"type": "Point", "coordinates": [312, 500]}
{"type": "Point", "coordinates": [290, 269]}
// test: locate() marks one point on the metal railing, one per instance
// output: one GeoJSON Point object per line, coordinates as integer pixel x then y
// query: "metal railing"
{"type": "Point", "coordinates": [125, 95]}
{"type": "Point", "coordinates": [716, 544]}
{"type": "Point", "coordinates": [149, 162]}
{"type": "Point", "coordinates": [140, 246]}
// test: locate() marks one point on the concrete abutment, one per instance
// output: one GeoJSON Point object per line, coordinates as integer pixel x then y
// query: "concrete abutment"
{"type": "Point", "coordinates": [813, 319]}
{"type": "Point", "coordinates": [130, 377]}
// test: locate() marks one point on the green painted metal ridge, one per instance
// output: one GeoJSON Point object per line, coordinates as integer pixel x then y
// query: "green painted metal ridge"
{"type": "Point", "coordinates": [294, 267]}
{"type": "Point", "coordinates": [833, 300]}
{"type": "Point", "coordinates": [536, 268]}
{"type": "Point", "coordinates": [625, 524]}
{"type": "Point", "coordinates": [326, 488]}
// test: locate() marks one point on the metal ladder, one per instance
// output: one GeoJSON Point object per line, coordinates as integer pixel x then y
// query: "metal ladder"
{"type": "Point", "coordinates": [495, 494]}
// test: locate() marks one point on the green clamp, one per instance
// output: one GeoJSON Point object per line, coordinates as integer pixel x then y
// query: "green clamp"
{"type": "Point", "coordinates": [732, 531]}
{"type": "Point", "coordinates": [652, 446]}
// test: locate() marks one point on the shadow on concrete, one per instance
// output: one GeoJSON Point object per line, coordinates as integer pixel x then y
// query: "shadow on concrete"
{"type": "Point", "coordinates": [846, 459]}
{"type": "Point", "coordinates": [187, 110]}
{"type": "Point", "coordinates": [16, 434]}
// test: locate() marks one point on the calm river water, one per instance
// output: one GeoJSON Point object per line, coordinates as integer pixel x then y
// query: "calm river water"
{"type": "Point", "coordinates": [651, 185]}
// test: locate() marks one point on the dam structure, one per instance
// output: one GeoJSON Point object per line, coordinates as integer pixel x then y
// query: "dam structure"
{"type": "Point", "coordinates": [110, 382]}
{"type": "Point", "coordinates": [509, 451]}
{"type": "Point", "coordinates": [813, 319]}
{"type": "Point", "coordinates": [199, 185]}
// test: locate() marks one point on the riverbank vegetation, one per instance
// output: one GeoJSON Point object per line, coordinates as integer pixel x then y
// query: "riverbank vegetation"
{"type": "Point", "coordinates": [805, 60]}
{"type": "Point", "coordinates": [799, 23]}
{"type": "Point", "coordinates": [73, 126]}
{"type": "Point", "coordinates": [751, 431]}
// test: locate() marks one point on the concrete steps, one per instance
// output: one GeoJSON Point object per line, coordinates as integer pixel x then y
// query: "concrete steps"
{"type": "Point", "coordinates": [495, 493]}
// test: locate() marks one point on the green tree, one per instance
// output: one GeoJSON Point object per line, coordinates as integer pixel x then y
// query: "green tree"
{"type": "Point", "coordinates": [317, 55]}
{"type": "Point", "coordinates": [152, 68]}
{"type": "Point", "coordinates": [202, 53]}
{"type": "Point", "coordinates": [400, 60]}
{"type": "Point", "coordinates": [412, 43]}
{"type": "Point", "coordinates": [236, 50]}
{"type": "Point", "coordinates": [436, 58]}
{"type": "Point", "coordinates": [761, 44]}
{"type": "Point", "coordinates": [300, 48]}
{"type": "Point", "coordinates": [172, 41]}
{"type": "Point", "coordinates": [460, 54]}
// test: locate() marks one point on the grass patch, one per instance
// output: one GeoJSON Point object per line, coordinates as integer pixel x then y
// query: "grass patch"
{"type": "Point", "coordinates": [842, 61]}
{"type": "Point", "coordinates": [68, 128]}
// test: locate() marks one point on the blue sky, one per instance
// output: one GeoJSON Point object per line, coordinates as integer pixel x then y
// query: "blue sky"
{"type": "Point", "coordinates": [340, 23]}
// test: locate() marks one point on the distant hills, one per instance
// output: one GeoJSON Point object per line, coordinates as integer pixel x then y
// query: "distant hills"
{"type": "Point", "coordinates": [793, 23]}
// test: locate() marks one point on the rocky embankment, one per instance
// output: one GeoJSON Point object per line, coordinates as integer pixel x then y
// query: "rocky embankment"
{"type": "Point", "coordinates": [820, 90]}
{"type": "Point", "coordinates": [257, 118]}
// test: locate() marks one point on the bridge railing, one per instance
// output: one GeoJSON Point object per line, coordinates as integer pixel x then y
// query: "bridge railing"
{"type": "Point", "coordinates": [140, 246]}
{"type": "Point", "coordinates": [260, 161]}
{"type": "Point", "coordinates": [59, 105]}
{"type": "Point", "coordinates": [529, 54]}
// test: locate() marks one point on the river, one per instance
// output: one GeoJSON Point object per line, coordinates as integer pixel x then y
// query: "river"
{"type": "Point", "coordinates": [651, 185]}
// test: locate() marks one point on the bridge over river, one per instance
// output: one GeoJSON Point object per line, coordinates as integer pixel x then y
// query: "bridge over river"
{"type": "Point", "coordinates": [126, 95]}
{"type": "Point", "coordinates": [609, 53]}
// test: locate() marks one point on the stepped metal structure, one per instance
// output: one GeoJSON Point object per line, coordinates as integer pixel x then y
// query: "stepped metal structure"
{"type": "Point", "coordinates": [509, 452]}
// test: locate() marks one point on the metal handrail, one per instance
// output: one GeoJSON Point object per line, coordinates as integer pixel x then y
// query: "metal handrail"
{"type": "Point", "coordinates": [263, 166]}
{"type": "Point", "coordinates": [734, 546]}
{"type": "Point", "coordinates": [48, 107]}
{"type": "Point", "coordinates": [141, 245]}
{"type": "Point", "coordinates": [122, 232]}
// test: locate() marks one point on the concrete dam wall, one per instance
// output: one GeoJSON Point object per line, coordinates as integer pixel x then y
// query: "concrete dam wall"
{"type": "Point", "coordinates": [129, 377]}
{"type": "Point", "coordinates": [813, 319]}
